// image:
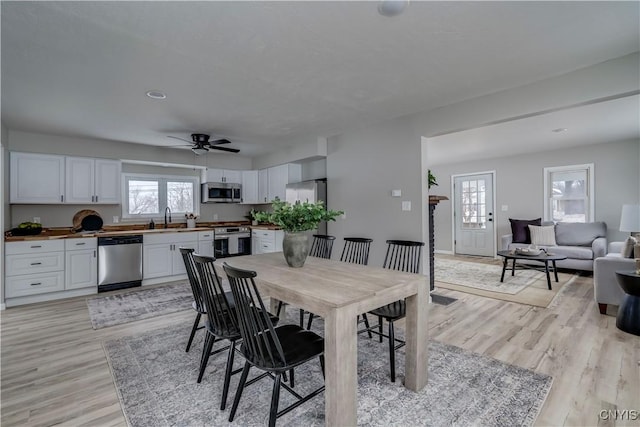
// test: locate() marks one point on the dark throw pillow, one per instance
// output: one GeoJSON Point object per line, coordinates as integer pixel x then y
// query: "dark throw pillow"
{"type": "Point", "coordinates": [520, 229]}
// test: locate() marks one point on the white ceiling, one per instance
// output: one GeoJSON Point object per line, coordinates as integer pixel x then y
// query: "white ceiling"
{"type": "Point", "coordinates": [263, 73]}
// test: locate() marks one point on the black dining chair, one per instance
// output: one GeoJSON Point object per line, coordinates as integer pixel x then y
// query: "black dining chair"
{"type": "Point", "coordinates": [196, 290]}
{"type": "Point", "coordinates": [402, 255]}
{"type": "Point", "coordinates": [356, 251]}
{"type": "Point", "coordinates": [220, 324]}
{"type": "Point", "coordinates": [321, 247]}
{"type": "Point", "coordinates": [274, 350]}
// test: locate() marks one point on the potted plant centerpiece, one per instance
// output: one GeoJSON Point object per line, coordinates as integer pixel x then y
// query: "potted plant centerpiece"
{"type": "Point", "coordinates": [296, 219]}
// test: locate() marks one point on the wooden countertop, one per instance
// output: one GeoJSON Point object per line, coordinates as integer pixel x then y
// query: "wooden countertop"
{"type": "Point", "coordinates": [120, 230]}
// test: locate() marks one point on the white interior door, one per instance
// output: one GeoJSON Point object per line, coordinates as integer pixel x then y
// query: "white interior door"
{"type": "Point", "coordinates": [473, 215]}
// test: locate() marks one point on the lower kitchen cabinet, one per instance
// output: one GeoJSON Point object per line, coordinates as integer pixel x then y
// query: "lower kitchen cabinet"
{"type": "Point", "coordinates": [81, 263]}
{"type": "Point", "coordinates": [161, 257]}
{"type": "Point", "coordinates": [265, 241]}
{"type": "Point", "coordinates": [42, 270]}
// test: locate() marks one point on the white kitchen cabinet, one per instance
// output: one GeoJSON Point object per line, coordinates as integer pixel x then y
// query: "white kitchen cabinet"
{"type": "Point", "coordinates": [266, 241]}
{"type": "Point", "coordinates": [263, 186]}
{"type": "Point", "coordinates": [224, 175]}
{"type": "Point", "coordinates": [161, 256]}
{"type": "Point", "coordinates": [250, 187]}
{"type": "Point", "coordinates": [33, 267]}
{"type": "Point", "coordinates": [272, 182]}
{"type": "Point", "coordinates": [44, 178]}
{"type": "Point", "coordinates": [90, 180]}
{"type": "Point", "coordinates": [107, 183]}
{"type": "Point", "coordinates": [205, 243]}
{"type": "Point", "coordinates": [36, 178]}
{"type": "Point", "coordinates": [81, 263]}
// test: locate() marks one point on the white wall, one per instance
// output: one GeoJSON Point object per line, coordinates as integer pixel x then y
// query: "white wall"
{"type": "Point", "coordinates": [519, 185]}
{"type": "Point", "coordinates": [363, 166]}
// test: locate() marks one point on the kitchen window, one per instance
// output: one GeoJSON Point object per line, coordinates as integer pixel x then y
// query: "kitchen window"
{"type": "Point", "coordinates": [147, 196]}
{"type": "Point", "coordinates": [569, 193]}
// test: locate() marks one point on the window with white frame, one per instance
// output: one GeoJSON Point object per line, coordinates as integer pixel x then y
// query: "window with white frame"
{"type": "Point", "coordinates": [147, 196]}
{"type": "Point", "coordinates": [569, 195]}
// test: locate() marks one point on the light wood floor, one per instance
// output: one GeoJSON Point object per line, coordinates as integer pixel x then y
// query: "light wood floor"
{"type": "Point", "coordinates": [54, 370]}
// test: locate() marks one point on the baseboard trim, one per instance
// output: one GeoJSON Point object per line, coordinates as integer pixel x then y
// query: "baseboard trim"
{"type": "Point", "coordinates": [166, 279]}
{"type": "Point", "coordinates": [439, 251]}
{"type": "Point", "coordinates": [50, 296]}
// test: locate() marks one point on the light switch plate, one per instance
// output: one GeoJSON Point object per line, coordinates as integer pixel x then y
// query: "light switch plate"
{"type": "Point", "coordinates": [36, 219]}
{"type": "Point", "coordinates": [406, 205]}
{"type": "Point", "coordinates": [116, 219]}
{"type": "Point", "coordinates": [396, 193]}
{"type": "Point", "coordinates": [505, 208]}
{"type": "Point", "coordinates": [215, 217]}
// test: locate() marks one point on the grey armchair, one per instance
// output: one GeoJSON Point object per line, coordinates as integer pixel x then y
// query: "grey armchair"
{"type": "Point", "coordinates": [605, 286]}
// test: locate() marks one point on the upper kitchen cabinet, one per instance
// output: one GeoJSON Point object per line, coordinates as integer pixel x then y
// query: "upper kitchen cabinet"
{"type": "Point", "coordinates": [272, 182]}
{"type": "Point", "coordinates": [36, 178]}
{"type": "Point", "coordinates": [223, 175]}
{"type": "Point", "coordinates": [280, 176]}
{"type": "Point", "coordinates": [250, 187]}
{"type": "Point", "coordinates": [92, 180]}
{"type": "Point", "coordinates": [51, 179]}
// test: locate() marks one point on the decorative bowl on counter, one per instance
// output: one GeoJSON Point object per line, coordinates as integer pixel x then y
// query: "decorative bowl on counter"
{"type": "Point", "coordinates": [529, 251]}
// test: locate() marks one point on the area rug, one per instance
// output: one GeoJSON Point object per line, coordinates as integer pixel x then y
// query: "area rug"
{"type": "Point", "coordinates": [140, 304]}
{"type": "Point", "coordinates": [156, 383]}
{"type": "Point", "coordinates": [480, 278]}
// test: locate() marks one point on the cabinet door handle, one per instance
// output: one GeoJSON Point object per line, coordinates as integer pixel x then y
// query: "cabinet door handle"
{"type": "Point", "coordinates": [62, 198]}
{"type": "Point", "coordinates": [37, 246]}
{"type": "Point", "coordinates": [80, 244]}
{"type": "Point", "coordinates": [36, 284]}
{"type": "Point", "coordinates": [94, 254]}
{"type": "Point", "coordinates": [36, 263]}
{"type": "Point", "coordinates": [93, 198]}
{"type": "Point", "coordinates": [96, 199]}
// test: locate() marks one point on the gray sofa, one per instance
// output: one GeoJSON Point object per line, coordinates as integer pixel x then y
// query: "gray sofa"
{"type": "Point", "coordinates": [605, 285]}
{"type": "Point", "coordinates": [582, 243]}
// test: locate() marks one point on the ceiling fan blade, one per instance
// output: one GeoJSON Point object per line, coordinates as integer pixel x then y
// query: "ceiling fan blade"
{"type": "Point", "coordinates": [181, 139]}
{"type": "Point", "coordinates": [220, 141]}
{"type": "Point", "coordinates": [230, 150]}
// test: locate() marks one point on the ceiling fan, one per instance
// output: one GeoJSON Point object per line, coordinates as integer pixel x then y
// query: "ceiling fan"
{"type": "Point", "coordinates": [200, 144]}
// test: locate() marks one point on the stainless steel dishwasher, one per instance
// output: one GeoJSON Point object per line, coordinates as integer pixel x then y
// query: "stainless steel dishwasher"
{"type": "Point", "coordinates": [119, 262]}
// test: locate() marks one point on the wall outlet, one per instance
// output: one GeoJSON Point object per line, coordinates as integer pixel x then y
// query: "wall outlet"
{"type": "Point", "coordinates": [215, 217]}
{"type": "Point", "coordinates": [505, 208]}
{"type": "Point", "coordinates": [406, 205]}
{"type": "Point", "coordinates": [344, 215]}
{"type": "Point", "coordinates": [116, 219]}
{"type": "Point", "coordinates": [36, 219]}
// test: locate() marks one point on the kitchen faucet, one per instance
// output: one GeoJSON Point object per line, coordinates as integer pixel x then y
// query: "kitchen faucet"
{"type": "Point", "coordinates": [167, 210]}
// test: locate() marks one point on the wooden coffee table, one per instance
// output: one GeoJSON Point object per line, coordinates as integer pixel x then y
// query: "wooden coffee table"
{"type": "Point", "coordinates": [543, 258]}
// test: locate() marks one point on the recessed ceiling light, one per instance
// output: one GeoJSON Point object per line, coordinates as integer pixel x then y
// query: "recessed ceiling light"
{"type": "Point", "coordinates": [392, 7]}
{"type": "Point", "coordinates": [560, 130]}
{"type": "Point", "coordinates": [156, 94]}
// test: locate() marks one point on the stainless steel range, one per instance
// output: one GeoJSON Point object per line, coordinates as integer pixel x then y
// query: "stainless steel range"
{"type": "Point", "coordinates": [231, 241]}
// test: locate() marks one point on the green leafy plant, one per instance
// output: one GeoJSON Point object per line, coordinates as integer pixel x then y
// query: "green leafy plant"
{"type": "Point", "coordinates": [298, 216]}
{"type": "Point", "coordinates": [432, 179]}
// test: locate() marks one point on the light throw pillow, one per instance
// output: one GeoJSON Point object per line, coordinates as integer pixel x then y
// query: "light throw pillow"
{"type": "Point", "coordinates": [543, 236]}
{"type": "Point", "coordinates": [627, 248]}
{"type": "Point", "coordinates": [520, 230]}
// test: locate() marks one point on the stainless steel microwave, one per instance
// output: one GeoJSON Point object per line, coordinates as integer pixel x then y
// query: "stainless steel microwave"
{"type": "Point", "coordinates": [221, 192]}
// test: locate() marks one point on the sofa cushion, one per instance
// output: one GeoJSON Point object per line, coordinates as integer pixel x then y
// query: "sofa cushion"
{"type": "Point", "coordinates": [579, 233]}
{"type": "Point", "coordinates": [543, 236]}
{"type": "Point", "coordinates": [573, 252]}
{"type": "Point", "coordinates": [520, 229]}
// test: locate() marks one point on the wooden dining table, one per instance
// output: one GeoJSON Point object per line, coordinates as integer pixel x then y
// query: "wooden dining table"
{"type": "Point", "coordinates": [339, 292]}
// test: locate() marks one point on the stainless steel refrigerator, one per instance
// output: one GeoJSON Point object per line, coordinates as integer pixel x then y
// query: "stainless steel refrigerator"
{"type": "Point", "coordinates": [309, 191]}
